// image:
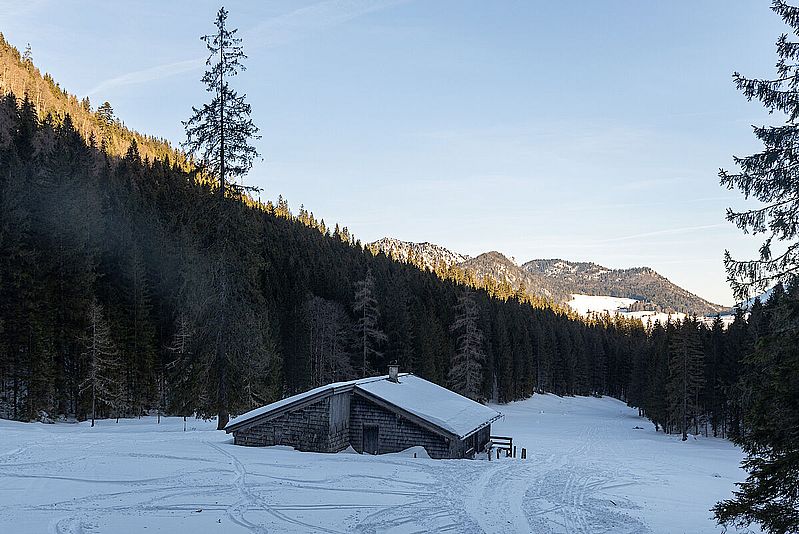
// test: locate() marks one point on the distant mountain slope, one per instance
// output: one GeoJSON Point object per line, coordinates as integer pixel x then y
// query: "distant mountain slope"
{"type": "Point", "coordinates": [427, 255]}
{"type": "Point", "coordinates": [640, 283]}
{"type": "Point", "coordinates": [503, 270]}
{"type": "Point", "coordinates": [557, 279]}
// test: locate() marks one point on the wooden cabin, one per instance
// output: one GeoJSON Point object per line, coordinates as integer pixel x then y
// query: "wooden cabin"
{"type": "Point", "coordinates": [374, 415]}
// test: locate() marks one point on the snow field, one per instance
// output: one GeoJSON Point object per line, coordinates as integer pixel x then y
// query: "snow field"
{"type": "Point", "coordinates": [588, 470]}
{"type": "Point", "coordinates": [599, 304]}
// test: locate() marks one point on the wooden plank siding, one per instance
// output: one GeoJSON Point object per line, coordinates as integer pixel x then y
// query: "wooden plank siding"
{"type": "Point", "coordinates": [396, 433]}
{"type": "Point", "coordinates": [306, 429]}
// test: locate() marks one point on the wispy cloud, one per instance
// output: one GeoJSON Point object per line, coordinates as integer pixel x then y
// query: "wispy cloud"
{"type": "Point", "coordinates": [651, 183]}
{"type": "Point", "coordinates": [14, 8]}
{"type": "Point", "coordinates": [147, 75]}
{"type": "Point", "coordinates": [295, 24]}
{"type": "Point", "coordinates": [275, 31]}
{"type": "Point", "coordinates": [669, 231]}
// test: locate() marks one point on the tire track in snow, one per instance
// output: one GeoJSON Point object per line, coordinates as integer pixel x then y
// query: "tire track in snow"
{"type": "Point", "coordinates": [496, 501]}
{"type": "Point", "coordinates": [251, 500]}
{"type": "Point", "coordinates": [570, 489]}
{"type": "Point", "coordinates": [442, 508]}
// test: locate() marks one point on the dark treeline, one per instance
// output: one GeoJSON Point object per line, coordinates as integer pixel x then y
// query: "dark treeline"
{"type": "Point", "coordinates": [699, 379]}
{"type": "Point", "coordinates": [110, 291]}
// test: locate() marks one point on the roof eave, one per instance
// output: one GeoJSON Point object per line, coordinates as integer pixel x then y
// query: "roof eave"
{"type": "Point", "coordinates": [482, 426]}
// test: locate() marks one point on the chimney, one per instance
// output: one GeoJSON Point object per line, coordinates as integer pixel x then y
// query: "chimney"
{"type": "Point", "coordinates": [393, 372]}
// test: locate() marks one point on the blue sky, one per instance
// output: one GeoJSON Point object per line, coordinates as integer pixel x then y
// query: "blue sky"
{"type": "Point", "coordinates": [588, 130]}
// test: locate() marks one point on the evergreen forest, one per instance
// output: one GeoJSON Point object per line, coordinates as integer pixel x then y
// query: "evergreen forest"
{"type": "Point", "coordinates": [108, 300]}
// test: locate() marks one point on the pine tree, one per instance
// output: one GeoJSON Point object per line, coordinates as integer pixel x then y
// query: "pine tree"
{"type": "Point", "coordinates": [769, 433]}
{"type": "Point", "coordinates": [220, 132]}
{"type": "Point", "coordinates": [180, 368]}
{"type": "Point", "coordinates": [715, 400]}
{"type": "Point", "coordinates": [655, 399]}
{"type": "Point", "coordinates": [466, 368]}
{"type": "Point", "coordinates": [102, 379]}
{"type": "Point", "coordinates": [222, 129]}
{"type": "Point", "coordinates": [106, 113]}
{"type": "Point", "coordinates": [686, 361]}
{"type": "Point", "coordinates": [368, 332]}
{"type": "Point", "coordinates": [770, 381]}
{"type": "Point", "coordinates": [139, 337]}
{"type": "Point", "coordinates": [328, 341]}
{"type": "Point", "coordinates": [769, 176]}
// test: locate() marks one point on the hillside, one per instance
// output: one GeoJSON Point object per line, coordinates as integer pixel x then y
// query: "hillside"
{"type": "Point", "coordinates": [19, 76]}
{"type": "Point", "coordinates": [557, 279]}
{"type": "Point", "coordinates": [640, 283]}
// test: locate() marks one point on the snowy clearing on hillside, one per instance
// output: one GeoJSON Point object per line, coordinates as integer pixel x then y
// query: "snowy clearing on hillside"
{"type": "Point", "coordinates": [600, 304]}
{"type": "Point", "coordinates": [650, 317]}
{"type": "Point", "coordinates": [589, 470]}
{"type": "Point", "coordinates": [594, 305]}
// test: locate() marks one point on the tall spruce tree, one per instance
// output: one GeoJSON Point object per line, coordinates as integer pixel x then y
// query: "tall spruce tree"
{"type": "Point", "coordinates": [106, 113]}
{"type": "Point", "coordinates": [329, 339]}
{"type": "Point", "coordinates": [220, 132]}
{"type": "Point", "coordinates": [770, 386]}
{"type": "Point", "coordinates": [769, 435]}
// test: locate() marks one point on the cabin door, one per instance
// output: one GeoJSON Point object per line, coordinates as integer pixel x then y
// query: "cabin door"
{"type": "Point", "coordinates": [371, 434]}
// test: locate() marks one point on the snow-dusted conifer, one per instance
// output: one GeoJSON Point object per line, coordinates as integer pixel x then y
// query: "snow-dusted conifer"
{"type": "Point", "coordinates": [466, 368]}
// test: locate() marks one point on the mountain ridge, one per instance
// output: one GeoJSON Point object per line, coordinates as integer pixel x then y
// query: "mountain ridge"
{"type": "Point", "coordinates": [555, 279]}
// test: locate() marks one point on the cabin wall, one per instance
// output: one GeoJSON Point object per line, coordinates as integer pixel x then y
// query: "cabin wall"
{"type": "Point", "coordinates": [476, 441]}
{"type": "Point", "coordinates": [395, 432]}
{"type": "Point", "coordinates": [483, 437]}
{"type": "Point", "coordinates": [306, 429]}
{"type": "Point", "coordinates": [339, 429]}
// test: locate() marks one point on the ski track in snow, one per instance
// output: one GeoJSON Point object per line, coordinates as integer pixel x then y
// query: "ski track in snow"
{"type": "Point", "coordinates": [588, 471]}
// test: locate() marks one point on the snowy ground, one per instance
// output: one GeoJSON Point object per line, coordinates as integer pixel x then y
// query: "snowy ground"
{"type": "Point", "coordinates": [588, 471]}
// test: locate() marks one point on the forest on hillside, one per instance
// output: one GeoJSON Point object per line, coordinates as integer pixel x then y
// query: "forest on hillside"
{"type": "Point", "coordinates": [107, 298]}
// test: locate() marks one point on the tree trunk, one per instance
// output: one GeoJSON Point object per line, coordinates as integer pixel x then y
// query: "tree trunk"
{"type": "Point", "coordinates": [222, 419]}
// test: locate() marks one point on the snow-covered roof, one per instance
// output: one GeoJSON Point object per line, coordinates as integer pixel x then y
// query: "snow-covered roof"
{"type": "Point", "coordinates": [434, 404]}
{"type": "Point", "coordinates": [437, 405]}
